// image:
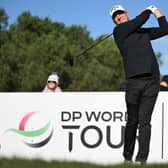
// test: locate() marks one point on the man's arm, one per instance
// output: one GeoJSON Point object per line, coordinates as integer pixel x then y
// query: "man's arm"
{"type": "Point", "coordinates": [124, 29]}
{"type": "Point", "coordinates": [158, 31]}
{"type": "Point", "coordinates": [158, 15]}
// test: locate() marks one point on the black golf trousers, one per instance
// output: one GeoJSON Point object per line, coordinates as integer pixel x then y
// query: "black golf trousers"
{"type": "Point", "coordinates": [141, 95]}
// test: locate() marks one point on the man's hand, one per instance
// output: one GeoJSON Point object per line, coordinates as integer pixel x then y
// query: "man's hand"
{"type": "Point", "coordinates": [154, 10]}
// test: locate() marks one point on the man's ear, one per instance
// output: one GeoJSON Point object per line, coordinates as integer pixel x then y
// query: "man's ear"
{"type": "Point", "coordinates": [127, 15]}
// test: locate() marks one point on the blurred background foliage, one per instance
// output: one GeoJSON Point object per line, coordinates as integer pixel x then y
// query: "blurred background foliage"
{"type": "Point", "coordinates": [32, 48]}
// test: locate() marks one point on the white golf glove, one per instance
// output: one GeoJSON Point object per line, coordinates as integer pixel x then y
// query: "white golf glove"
{"type": "Point", "coordinates": [152, 8]}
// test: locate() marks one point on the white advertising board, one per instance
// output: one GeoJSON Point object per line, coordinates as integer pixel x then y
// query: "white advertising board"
{"type": "Point", "coordinates": [78, 126]}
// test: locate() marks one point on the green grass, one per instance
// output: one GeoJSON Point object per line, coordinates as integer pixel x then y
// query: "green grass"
{"type": "Point", "coordinates": [22, 163]}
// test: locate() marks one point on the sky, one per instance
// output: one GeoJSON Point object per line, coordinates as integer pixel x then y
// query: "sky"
{"type": "Point", "coordinates": [94, 14]}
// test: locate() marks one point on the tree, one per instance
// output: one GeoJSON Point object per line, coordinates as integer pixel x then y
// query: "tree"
{"type": "Point", "coordinates": [102, 68]}
{"type": "Point", "coordinates": [33, 47]}
{"type": "Point", "coordinates": [3, 19]}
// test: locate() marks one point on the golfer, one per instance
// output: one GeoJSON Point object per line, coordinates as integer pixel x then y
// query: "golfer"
{"type": "Point", "coordinates": [142, 74]}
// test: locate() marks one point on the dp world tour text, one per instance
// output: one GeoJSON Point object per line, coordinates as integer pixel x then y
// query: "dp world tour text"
{"type": "Point", "coordinates": [105, 116]}
{"type": "Point", "coordinates": [72, 124]}
{"type": "Point", "coordinates": [101, 136]}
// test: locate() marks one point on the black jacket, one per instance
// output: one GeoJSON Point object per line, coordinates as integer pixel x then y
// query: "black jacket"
{"type": "Point", "coordinates": [135, 46]}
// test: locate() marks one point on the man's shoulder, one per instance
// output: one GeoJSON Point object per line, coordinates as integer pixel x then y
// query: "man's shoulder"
{"type": "Point", "coordinates": [116, 30]}
{"type": "Point", "coordinates": [120, 28]}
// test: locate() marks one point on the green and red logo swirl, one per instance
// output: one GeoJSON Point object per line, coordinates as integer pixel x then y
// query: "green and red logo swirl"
{"type": "Point", "coordinates": [33, 138]}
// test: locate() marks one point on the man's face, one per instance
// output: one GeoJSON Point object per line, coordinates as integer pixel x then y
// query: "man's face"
{"type": "Point", "coordinates": [120, 17]}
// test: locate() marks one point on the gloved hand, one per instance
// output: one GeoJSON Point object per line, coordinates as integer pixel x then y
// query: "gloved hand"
{"type": "Point", "coordinates": [152, 8]}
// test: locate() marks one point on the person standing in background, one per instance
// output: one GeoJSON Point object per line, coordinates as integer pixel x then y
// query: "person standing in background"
{"type": "Point", "coordinates": [52, 84]}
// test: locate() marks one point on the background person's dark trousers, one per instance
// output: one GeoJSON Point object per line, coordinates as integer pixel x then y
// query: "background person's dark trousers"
{"type": "Point", "coordinates": [141, 95]}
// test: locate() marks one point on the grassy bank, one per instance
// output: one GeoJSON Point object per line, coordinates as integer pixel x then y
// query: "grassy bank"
{"type": "Point", "coordinates": [21, 163]}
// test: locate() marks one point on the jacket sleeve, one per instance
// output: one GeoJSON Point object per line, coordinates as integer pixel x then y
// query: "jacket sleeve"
{"type": "Point", "coordinates": [157, 32]}
{"type": "Point", "coordinates": [124, 29]}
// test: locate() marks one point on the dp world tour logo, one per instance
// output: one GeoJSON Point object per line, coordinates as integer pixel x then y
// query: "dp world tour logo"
{"type": "Point", "coordinates": [37, 137]}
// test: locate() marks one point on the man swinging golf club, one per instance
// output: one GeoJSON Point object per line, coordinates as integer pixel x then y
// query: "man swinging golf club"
{"type": "Point", "coordinates": [142, 74]}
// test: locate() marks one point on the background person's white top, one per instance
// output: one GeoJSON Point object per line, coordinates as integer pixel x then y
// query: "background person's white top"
{"type": "Point", "coordinates": [57, 89]}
